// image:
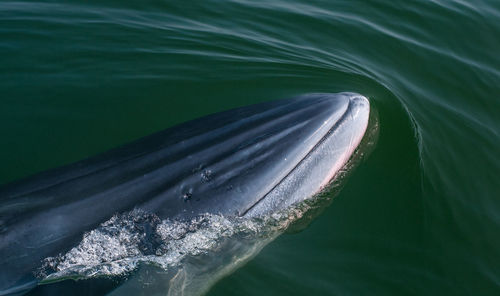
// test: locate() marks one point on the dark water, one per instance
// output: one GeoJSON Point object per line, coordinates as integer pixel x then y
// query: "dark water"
{"type": "Point", "coordinates": [421, 216]}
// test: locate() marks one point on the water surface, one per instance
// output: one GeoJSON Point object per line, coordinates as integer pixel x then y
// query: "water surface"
{"type": "Point", "coordinates": [420, 216]}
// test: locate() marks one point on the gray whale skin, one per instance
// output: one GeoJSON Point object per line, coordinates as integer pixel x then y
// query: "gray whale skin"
{"type": "Point", "coordinates": [245, 162]}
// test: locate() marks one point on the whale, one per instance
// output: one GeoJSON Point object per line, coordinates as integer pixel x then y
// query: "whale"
{"type": "Point", "coordinates": [246, 162]}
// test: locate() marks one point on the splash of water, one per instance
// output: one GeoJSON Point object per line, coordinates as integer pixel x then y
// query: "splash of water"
{"type": "Point", "coordinates": [188, 255]}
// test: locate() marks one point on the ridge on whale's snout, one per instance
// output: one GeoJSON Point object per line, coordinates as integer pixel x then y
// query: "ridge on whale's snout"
{"type": "Point", "coordinates": [331, 139]}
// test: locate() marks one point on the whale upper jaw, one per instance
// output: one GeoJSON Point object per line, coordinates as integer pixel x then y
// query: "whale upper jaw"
{"type": "Point", "coordinates": [325, 159]}
{"type": "Point", "coordinates": [269, 157]}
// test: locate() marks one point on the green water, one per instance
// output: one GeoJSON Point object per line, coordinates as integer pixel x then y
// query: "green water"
{"type": "Point", "coordinates": [420, 217]}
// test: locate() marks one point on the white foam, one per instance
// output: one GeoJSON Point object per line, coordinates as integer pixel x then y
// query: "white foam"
{"type": "Point", "coordinates": [118, 246]}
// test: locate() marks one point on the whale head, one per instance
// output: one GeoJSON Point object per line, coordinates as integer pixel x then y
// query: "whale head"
{"type": "Point", "coordinates": [256, 160]}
